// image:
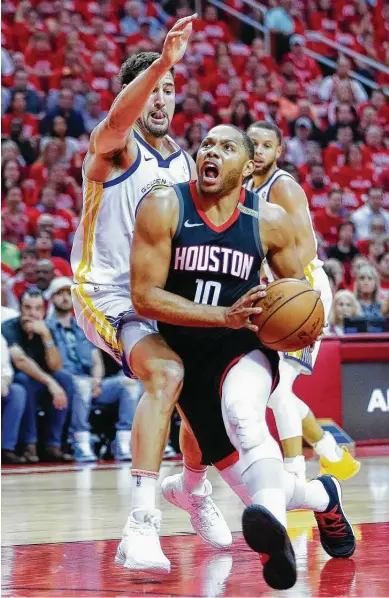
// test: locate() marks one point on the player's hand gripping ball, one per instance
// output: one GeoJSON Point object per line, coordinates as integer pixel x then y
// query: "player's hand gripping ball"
{"type": "Point", "coordinates": [292, 316]}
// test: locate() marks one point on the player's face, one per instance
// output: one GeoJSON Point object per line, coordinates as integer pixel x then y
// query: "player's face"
{"type": "Point", "coordinates": [267, 149]}
{"type": "Point", "coordinates": [159, 109]}
{"type": "Point", "coordinates": [222, 161]}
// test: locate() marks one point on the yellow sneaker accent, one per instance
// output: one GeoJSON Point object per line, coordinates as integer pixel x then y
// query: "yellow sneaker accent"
{"type": "Point", "coordinates": [344, 469]}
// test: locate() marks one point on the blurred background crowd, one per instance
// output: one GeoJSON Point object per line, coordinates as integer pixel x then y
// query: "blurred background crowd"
{"type": "Point", "coordinates": [318, 69]}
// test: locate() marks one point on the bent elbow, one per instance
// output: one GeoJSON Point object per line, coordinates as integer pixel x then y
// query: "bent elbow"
{"type": "Point", "coordinates": [139, 304]}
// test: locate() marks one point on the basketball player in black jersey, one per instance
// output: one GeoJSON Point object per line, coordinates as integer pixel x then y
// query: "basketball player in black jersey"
{"type": "Point", "coordinates": [195, 263]}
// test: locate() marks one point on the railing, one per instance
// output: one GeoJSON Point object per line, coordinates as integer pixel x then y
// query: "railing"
{"type": "Point", "coordinates": [245, 19]}
{"type": "Point", "coordinates": [332, 64]}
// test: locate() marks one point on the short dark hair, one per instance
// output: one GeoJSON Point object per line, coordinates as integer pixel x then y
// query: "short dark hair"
{"type": "Point", "coordinates": [263, 124]}
{"type": "Point", "coordinates": [247, 143]}
{"type": "Point", "coordinates": [136, 64]}
{"type": "Point", "coordinates": [347, 223]}
{"type": "Point", "coordinates": [31, 292]}
{"type": "Point", "coordinates": [334, 189]}
{"type": "Point", "coordinates": [28, 251]}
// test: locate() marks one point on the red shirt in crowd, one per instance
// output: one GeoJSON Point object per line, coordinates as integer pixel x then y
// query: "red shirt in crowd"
{"type": "Point", "coordinates": [30, 124]}
{"type": "Point", "coordinates": [358, 181]}
{"type": "Point", "coordinates": [327, 226]}
{"type": "Point", "coordinates": [63, 222]}
{"type": "Point", "coordinates": [317, 198]}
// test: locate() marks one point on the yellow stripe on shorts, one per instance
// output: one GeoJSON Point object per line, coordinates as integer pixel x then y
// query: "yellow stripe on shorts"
{"type": "Point", "coordinates": [103, 327]}
{"type": "Point", "coordinates": [94, 195]}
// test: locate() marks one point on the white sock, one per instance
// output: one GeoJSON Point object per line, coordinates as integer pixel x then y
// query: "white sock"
{"type": "Point", "coordinates": [83, 441]}
{"type": "Point", "coordinates": [264, 482]}
{"type": "Point", "coordinates": [328, 448]}
{"type": "Point", "coordinates": [194, 480]}
{"type": "Point", "coordinates": [296, 465]}
{"type": "Point", "coordinates": [124, 440]}
{"type": "Point", "coordinates": [305, 495]}
{"type": "Point", "coordinates": [233, 477]}
{"type": "Point", "coordinates": [144, 487]}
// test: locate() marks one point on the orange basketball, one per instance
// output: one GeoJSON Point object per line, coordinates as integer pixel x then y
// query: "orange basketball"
{"type": "Point", "coordinates": [292, 316]}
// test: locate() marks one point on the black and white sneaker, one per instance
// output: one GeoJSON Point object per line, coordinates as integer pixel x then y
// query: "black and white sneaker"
{"type": "Point", "coordinates": [336, 534]}
{"type": "Point", "coordinates": [267, 536]}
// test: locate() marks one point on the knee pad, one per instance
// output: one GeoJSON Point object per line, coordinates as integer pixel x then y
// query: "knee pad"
{"type": "Point", "coordinates": [268, 449]}
{"type": "Point", "coordinates": [244, 421]}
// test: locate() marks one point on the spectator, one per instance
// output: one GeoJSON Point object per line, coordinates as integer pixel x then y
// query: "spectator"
{"type": "Point", "coordinates": [27, 146]}
{"type": "Point", "coordinates": [191, 111]}
{"type": "Point", "coordinates": [362, 218]}
{"type": "Point", "coordinates": [314, 157]}
{"type": "Point", "coordinates": [377, 153]}
{"type": "Point", "coordinates": [335, 269]}
{"type": "Point", "coordinates": [278, 19]}
{"type": "Point", "coordinates": [7, 313]}
{"type": "Point", "coordinates": [134, 14]}
{"type": "Point", "coordinates": [69, 145]}
{"type": "Point", "coordinates": [297, 146]}
{"type": "Point", "coordinates": [329, 84]}
{"type": "Point", "coordinates": [11, 151]}
{"type": "Point", "coordinates": [304, 110]}
{"type": "Point", "coordinates": [376, 249]}
{"type": "Point", "coordinates": [13, 217]}
{"type": "Point", "coordinates": [25, 278]}
{"type": "Point", "coordinates": [345, 250]}
{"type": "Point", "coordinates": [366, 289]}
{"type": "Point", "coordinates": [194, 136]}
{"type": "Point", "coordinates": [13, 404]}
{"type": "Point", "coordinates": [335, 153]}
{"type": "Point", "coordinates": [51, 151]}
{"type": "Point", "coordinates": [38, 368]}
{"type": "Point", "coordinates": [33, 100]}
{"type": "Point", "coordinates": [215, 30]}
{"type": "Point", "coordinates": [241, 115]}
{"type": "Point", "coordinates": [18, 110]}
{"type": "Point", "coordinates": [10, 254]}
{"type": "Point", "coordinates": [44, 275]}
{"type": "Point", "coordinates": [93, 113]}
{"type": "Point", "coordinates": [84, 362]}
{"type": "Point", "coordinates": [345, 116]}
{"type": "Point", "coordinates": [328, 219]}
{"type": "Point", "coordinates": [317, 188]}
{"type": "Point", "coordinates": [44, 245]}
{"type": "Point", "coordinates": [356, 175]}
{"type": "Point", "coordinates": [383, 270]}
{"type": "Point", "coordinates": [11, 175]}
{"type": "Point", "coordinates": [63, 221]}
{"type": "Point", "coordinates": [345, 305]}
{"type": "Point", "coordinates": [73, 118]}
{"type": "Point", "coordinates": [306, 70]}
{"type": "Point", "coordinates": [273, 114]}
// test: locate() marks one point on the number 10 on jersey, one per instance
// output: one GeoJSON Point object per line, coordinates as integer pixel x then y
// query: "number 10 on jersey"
{"type": "Point", "coordinates": [207, 292]}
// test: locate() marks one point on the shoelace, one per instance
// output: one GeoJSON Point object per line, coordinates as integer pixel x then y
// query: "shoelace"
{"type": "Point", "coordinates": [332, 522]}
{"type": "Point", "coordinates": [148, 527]}
{"type": "Point", "coordinates": [205, 513]}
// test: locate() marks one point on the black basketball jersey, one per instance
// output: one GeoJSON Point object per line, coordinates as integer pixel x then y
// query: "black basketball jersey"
{"type": "Point", "coordinates": [210, 264]}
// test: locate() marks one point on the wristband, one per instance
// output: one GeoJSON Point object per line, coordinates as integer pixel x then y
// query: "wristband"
{"type": "Point", "coordinates": [49, 344]}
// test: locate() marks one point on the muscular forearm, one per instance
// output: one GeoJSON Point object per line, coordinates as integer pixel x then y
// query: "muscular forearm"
{"type": "Point", "coordinates": [158, 304]}
{"type": "Point", "coordinates": [31, 368]}
{"type": "Point", "coordinates": [131, 100]}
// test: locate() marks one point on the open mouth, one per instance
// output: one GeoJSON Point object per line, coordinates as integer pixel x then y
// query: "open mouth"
{"type": "Point", "coordinates": [210, 172]}
{"type": "Point", "coordinates": [158, 116]}
{"type": "Point", "coordinates": [259, 163]}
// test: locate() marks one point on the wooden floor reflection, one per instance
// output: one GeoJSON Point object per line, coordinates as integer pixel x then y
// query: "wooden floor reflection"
{"type": "Point", "coordinates": [60, 527]}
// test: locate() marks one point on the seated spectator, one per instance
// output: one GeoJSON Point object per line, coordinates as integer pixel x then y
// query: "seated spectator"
{"type": "Point", "coordinates": [335, 154]}
{"type": "Point", "coordinates": [63, 221]}
{"type": "Point", "coordinates": [345, 116]}
{"type": "Point", "coordinates": [51, 151]}
{"type": "Point", "coordinates": [328, 219]}
{"type": "Point", "coordinates": [32, 99]}
{"type": "Point", "coordinates": [45, 273]}
{"type": "Point", "coordinates": [297, 146]}
{"type": "Point", "coordinates": [369, 118]}
{"type": "Point", "coordinates": [13, 217]}
{"type": "Point", "coordinates": [18, 110]}
{"type": "Point", "coordinates": [10, 254]}
{"type": "Point", "coordinates": [289, 99]}
{"type": "Point", "coordinates": [304, 108]}
{"type": "Point", "coordinates": [377, 248]}
{"type": "Point", "coordinates": [46, 224]}
{"type": "Point", "coordinates": [330, 83]}
{"type": "Point", "coordinates": [317, 188]}
{"type": "Point", "coordinates": [345, 250]}
{"type": "Point", "coordinates": [356, 175]}
{"type": "Point", "coordinates": [362, 218]}
{"type": "Point", "coordinates": [366, 290]}
{"type": "Point", "coordinates": [93, 113]}
{"type": "Point", "coordinates": [383, 271]}
{"type": "Point", "coordinates": [84, 362]}
{"type": "Point", "coordinates": [38, 368]}
{"type": "Point", "coordinates": [279, 20]}
{"type": "Point", "coordinates": [241, 115]}
{"type": "Point", "coordinates": [191, 111]}
{"type": "Point", "coordinates": [273, 114]}
{"type": "Point", "coordinates": [306, 68]}
{"type": "Point", "coordinates": [11, 151]}
{"type": "Point", "coordinates": [44, 245]}
{"type": "Point", "coordinates": [13, 404]}
{"type": "Point", "coordinates": [345, 305]}
{"type": "Point", "coordinates": [376, 152]}
{"type": "Point", "coordinates": [24, 279]}
{"type": "Point", "coordinates": [27, 147]}
{"type": "Point", "coordinates": [377, 231]}
{"type": "Point", "coordinates": [134, 14]}
{"type": "Point", "coordinates": [69, 145]}
{"type": "Point", "coordinates": [194, 136]}
{"type": "Point", "coordinates": [214, 28]}
{"type": "Point", "coordinates": [73, 118]}
{"type": "Point", "coordinates": [314, 157]}
{"type": "Point", "coordinates": [379, 102]}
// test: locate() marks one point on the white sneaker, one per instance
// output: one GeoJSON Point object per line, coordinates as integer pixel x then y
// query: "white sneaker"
{"type": "Point", "coordinates": [206, 519]}
{"type": "Point", "coordinates": [140, 548]}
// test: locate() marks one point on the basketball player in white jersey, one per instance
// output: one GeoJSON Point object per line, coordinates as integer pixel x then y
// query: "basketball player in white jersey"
{"type": "Point", "coordinates": [294, 419]}
{"type": "Point", "coordinates": [129, 154]}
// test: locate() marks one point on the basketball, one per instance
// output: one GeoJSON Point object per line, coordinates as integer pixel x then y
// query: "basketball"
{"type": "Point", "coordinates": [292, 316]}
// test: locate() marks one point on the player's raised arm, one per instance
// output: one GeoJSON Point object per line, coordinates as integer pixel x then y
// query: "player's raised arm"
{"type": "Point", "coordinates": [278, 238]}
{"type": "Point", "coordinates": [156, 224]}
{"type": "Point", "coordinates": [112, 133]}
{"type": "Point", "coordinates": [288, 194]}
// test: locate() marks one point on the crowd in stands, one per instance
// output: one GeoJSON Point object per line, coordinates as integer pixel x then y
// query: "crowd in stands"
{"type": "Point", "coordinates": [60, 65]}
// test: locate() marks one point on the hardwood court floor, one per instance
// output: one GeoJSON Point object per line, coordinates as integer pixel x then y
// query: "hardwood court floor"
{"type": "Point", "coordinates": [60, 529]}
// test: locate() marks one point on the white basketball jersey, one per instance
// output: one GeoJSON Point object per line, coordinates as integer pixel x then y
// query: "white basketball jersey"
{"type": "Point", "coordinates": [102, 242]}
